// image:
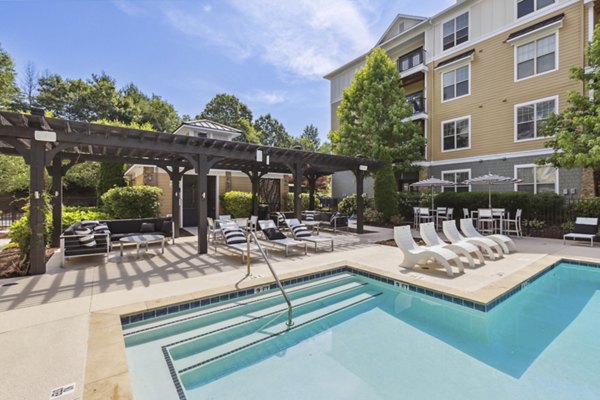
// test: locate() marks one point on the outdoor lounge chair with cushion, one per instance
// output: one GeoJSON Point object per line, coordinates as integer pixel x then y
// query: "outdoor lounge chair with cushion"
{"type": "Point", "coordinates": [235, 239]}
{"type": "Point", "coordinates": [415, 254]}
{"type": "Point", "coordinates": [464, 249]}
{"type": "Point", "coordinates": [507, 244]}
{"type": "Point", "coordinates": [301, 232]}
{"type": "Point", "coordinates": [585, 228]}
{"type": "Point", "coordinates": [274, 236]}
{"type": "Point", "coordinates": [487, 246]}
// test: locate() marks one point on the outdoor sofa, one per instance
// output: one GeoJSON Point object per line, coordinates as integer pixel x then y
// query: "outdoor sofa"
{"type": "Point", "coordinates": [89, 238]}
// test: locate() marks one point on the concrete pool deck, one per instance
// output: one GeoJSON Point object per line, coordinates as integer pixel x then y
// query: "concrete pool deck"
{"type": "Point", "coordinates": [47, 322]}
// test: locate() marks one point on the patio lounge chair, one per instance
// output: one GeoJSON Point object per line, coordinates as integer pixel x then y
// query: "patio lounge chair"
{"type": "Point", "coordinates": [235, 239]}
{"type": "Point", "coordinates": [301, 232]}
{"type": "Point", "coordinates": [487, 246]}
{"type": "Point", "coordinates": [464, 249]}
{"type": "Point", "coordinates": [507, 244]}
{"type": "Point", "coordinates": [415, 254]}
{"type": "Point", "coordinates": [585, 228]}
{"type": "Point", "coordinates": [274, 236]}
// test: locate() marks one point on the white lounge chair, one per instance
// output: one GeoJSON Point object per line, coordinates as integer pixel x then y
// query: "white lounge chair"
{"type": "Point", "coordinates": [464, 249]}
{"type": "Point", "coordinates": [274, 236]}
{"type": "Point", "coordinates": [415, 254]}
{"type": "Point", "coordinates": [235, 239]}
{"type": "Point", "coordinates": [301, 232]}
{"type": "Point", "coordinates": [487, 246]}
{"type": "Point", "coordinates": [507, 244]}
{"type": "Point", "coordinates": [585, 228]}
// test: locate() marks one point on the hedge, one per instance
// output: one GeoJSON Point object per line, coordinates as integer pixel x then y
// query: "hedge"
{"type": "Point", "coordinates": [347, 205]}
{"type": "Point", "coordinates": [132, 202]}
{"type": "Point", "coordinates": [237, 204]}
{"type": "Point", "coordinates": [70, 215]}
{"type": "Point", "coordinates": [304, 201]}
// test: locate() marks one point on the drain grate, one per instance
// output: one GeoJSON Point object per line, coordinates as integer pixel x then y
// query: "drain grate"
{"type": "Point", "coordinates": [62, 391]}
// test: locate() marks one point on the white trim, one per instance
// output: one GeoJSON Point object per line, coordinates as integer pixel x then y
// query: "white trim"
{"type": "Point", "coordinates": [535, 167]}
{"type": "Point", "coordinates": [217, 197]}
{"type": "Point", "coordinates": [535, 9]}
{"type": "Point", "coordinates": [456, 63]}
{"type": "Point", "coordinates": [539, 32]}
{"type": "Point", "coordinates": [469, 82]}
{"type": "Point", "coordinates": [454, 17]}
{"type": "Point", "coordinates": [534, 102]}
{"type": "Point", "coordinates": [589, 5]}
{"type": "Point", "coordinates": [467, 117]}
{"type": "Point", "coordinates": [416, 69]}
{"type": "Point", "coordinates": [455, 171]}
{"type": "Point", "coordinates": [488, 157]}
{"type": "Point", "coordinates": [534, 40]}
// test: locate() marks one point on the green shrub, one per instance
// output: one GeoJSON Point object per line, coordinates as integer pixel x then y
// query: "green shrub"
{"type": "Point", "coordinates": [304, 201]}
{"type": "Point", "coordinates": [386, 192]}
{"type": "Point", "coordinates": [132, 202]}
{"type": "Point", "coordinates": [408, 200]}
{"type": "Point", "coordinates": [110, 175]}
{"type": "Point", "coordinates": [347, 205]}
{"type": "Point", "coordinates": [238, 204]}
{"type": "Point", "coordinates": [397, 220]}
{"type": "Point", "coordinates": [71, 215]}
{"type": "Point", "coordinates": [584, 208]}
{"type": "Point", "coordinates": [373, 216]}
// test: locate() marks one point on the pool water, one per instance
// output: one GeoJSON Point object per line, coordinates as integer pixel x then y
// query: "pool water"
{"type": "Point", "coordinates": [355, 338]}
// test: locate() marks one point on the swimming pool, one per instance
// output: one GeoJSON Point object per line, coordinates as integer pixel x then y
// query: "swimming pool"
{"type": "Point", "coordinates": [359, 338]}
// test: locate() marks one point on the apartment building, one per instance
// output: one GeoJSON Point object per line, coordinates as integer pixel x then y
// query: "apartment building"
{"type": "Point", "coordinates": [483, 76]}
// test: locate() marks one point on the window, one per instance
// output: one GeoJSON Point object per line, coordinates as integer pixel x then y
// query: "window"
{"type": "Point", "coordinates": [456, 83]}
{"type": "Point", "coordinates": [457, 176]}
{"type": "Point", "coordinates": [536, 57]}
{"type": "Point", "coordinates": [410, 60]}
{"type": "Point", "coordinates": [536, 179]}
{"type": "Point", "coordinates": [525, 7]}
{"type": "Point", "coordinates": [401, 27]}
{"type": "Point", "coordinates": [456, 133]}
{"type": "Point", "coordinates": [456, 31]}
{"type": "Point", "coordinates": [531, 117]}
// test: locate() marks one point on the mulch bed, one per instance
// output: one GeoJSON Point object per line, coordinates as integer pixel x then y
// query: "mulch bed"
{"type": "Point", "coordinates": [9, 262]}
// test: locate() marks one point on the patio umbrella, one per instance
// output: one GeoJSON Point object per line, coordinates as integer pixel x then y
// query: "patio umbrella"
{"type": "Point", "coordinates": [490, 179]}
{"type": "Point", "coordinates": [431, 183]}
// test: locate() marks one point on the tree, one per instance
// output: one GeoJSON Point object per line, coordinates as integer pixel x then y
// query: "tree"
{"type": "Point", "coordinates": [272, 132]}
{"type": "Point", "coordinates": [14, 174]}
{"type": "Point", "coordinates": [226, 109]}
{"type": "Point", "coordinates": [29, 83]}
{"type": "Point", "coordinates": [575, 132]}
{"type": "Point", "coordinates": [374, 120]}
{"type": "Point", "coordinates": [385, 190]}
{"type": "Point", "coordinates": [309, 139]}
{"type": "Point", "coordinates": [136, 107]}
{"type": "Point", "coordinates": [10, 95]}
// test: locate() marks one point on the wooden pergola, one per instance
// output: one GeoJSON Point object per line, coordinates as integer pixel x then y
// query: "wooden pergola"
{"type": "Point", "coordinates": [57, 144]}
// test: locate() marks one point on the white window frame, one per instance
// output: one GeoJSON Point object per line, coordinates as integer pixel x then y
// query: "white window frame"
{"type": "Point", "coordinates": [535, 9]}
{"type": "Point", "coordinates": [455, 171]}
{"type": "Point", "coordinates": [468, 12]}
{"type": "Point", "coordinates": [467, 117]}
{"type": "Point", "coordinates": [535, 184]}
{"type": "Point", "coordinates": [516, 118]}
{"type": "Point", "coordinates": [529, 39]}
{"type": "Point", "coordinates": [456, 67]}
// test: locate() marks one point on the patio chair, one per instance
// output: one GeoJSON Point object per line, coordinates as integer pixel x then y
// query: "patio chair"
{"type": "Point", "coordinates": [301, 232]}
{"type": "Point", "coordinates": [513, 225]}
{"type": "Point", "coordinates": [506, 243]}
{"type": "Point", "coordinates": [464, 249]}
{"type": "Point", "coordinates": [415, 254]}
{"type": "Point", "coordinates": [446, 216]}
{"type": "Point", "coordinates": [235, 239]}
{"type": "Point", "coordinates": [425, 215]}
{"type": "Point", "coordinates": [485, 221]}
{"type": "Point", "coordinates": [585, 228]}
{"type": "Point", "coordinates": [416, 216]}
{"type": "Point", "coordinates": [487, 246]}
{"type": "Point", "coordinates": [253, 223]}
{"type": "Point", "coordinates": [277, 239]}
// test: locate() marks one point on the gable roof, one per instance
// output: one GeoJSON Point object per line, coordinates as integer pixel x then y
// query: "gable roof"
{"type": "Point", "coordinates": [209, 125]}
{"type": "Point", "coordinates": [394, 22]}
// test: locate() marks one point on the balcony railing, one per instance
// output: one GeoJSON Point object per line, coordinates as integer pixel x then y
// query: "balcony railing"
{"type": "Point", "coordinates": [417, 100]}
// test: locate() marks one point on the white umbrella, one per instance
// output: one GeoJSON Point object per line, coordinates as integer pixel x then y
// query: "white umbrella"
{"type": "Point", "coordinates": [490, 179]}
{"type": "Point", "coordinates": [431, 183]}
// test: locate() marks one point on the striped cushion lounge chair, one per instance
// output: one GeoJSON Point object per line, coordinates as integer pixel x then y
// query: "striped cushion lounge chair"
{"type": "Point", "coordinates": [235, 239]}
{"type": "Point", "coordinates": [274, 236]}
{"type": "Point", "coordinates": [301, 232]}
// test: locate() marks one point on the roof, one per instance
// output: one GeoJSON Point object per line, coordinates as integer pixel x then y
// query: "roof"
{"type": "Point", "coordinates": [211, 125]}
{"type": "Point", "coordinates": [393, 24]}
{"type": "Point", "coordinates": [456, 58]}
{"type": "Point", "coordinates": [84, 141]}
{"type": "Point", "coordinates": [535, 27]}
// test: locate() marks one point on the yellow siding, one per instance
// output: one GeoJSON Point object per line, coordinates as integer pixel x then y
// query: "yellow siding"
{"type": "Point", "coordinates": [166, 201]}
{"type": "Point", "coordinates": [414, 87]}
{"type": "Point", "coordinates": [494, 92]}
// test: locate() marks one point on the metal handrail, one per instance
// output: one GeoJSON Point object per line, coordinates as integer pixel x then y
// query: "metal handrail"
{"type": "Point", "coordinates": [279, 285]}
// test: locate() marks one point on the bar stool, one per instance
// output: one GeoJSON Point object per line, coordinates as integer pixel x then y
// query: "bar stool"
{"type": "Point", "coordinates": [485, 221]}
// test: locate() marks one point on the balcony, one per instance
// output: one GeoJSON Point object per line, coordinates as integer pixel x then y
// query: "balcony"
{"type": "Point", "coordinates": [417, 100]}
{"type": "Point", "coordinates": [412, 66]}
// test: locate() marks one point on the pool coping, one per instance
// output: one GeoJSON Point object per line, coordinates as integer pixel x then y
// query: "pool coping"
{"type": "Point", "coordinates": [107, 373]}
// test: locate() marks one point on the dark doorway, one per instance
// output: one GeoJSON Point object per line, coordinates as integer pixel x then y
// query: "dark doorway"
{"type": "Point", "coordinates": [190, 194]}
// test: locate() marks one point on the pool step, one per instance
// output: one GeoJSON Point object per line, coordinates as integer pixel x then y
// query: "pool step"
{"type": "Point", "coordinates": [170, 326]}
{"type": "Point", "coordinates": [224, 331]}
{"type": "Point", "coordinates": [201, 367]}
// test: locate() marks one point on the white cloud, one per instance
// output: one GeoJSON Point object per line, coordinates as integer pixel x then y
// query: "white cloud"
{"type": "Point", "coordinates": [264, 97]}
{"type": "Point", "coordinates": [129, 7]}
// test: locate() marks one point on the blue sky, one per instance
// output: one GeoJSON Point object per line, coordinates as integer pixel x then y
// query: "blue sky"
{"type": "Point", "coordinates": [272, 54]}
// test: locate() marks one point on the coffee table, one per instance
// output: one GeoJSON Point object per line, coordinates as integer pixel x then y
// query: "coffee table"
{"type": "Point", "coordinates": [138, 240]}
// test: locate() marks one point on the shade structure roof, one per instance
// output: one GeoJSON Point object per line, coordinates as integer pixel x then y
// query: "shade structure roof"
{"type": "Point", "coordinates": [490, 179]}
{"type": "Point", "coordinates": [433, 182]}
{"type": "Point", "coordinates": [84, 141]}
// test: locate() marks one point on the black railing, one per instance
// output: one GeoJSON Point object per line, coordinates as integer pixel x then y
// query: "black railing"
{"type": "Point", "coordinates": [8, 218]}
{"type": "Point", "coordinates": [417, 100]}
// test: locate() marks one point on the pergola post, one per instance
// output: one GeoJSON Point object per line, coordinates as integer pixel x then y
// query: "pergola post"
{"type": "Point", "coordinates": [56, 171]}
{"type": "Point", "coordinates": [37, 218]}
{"type": "Point", "coordinates": [298, 190]}
{"type": "Point", "coordinates": [202, 169]}
{"type": "Point", "coordinates": [175, 176]}
{"type": "Point", "coordinates": [255, 180]}
{"type": "Point", "coordinates": [360, 201]}
{"type": "Point", "coordinates": [312, 183]}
